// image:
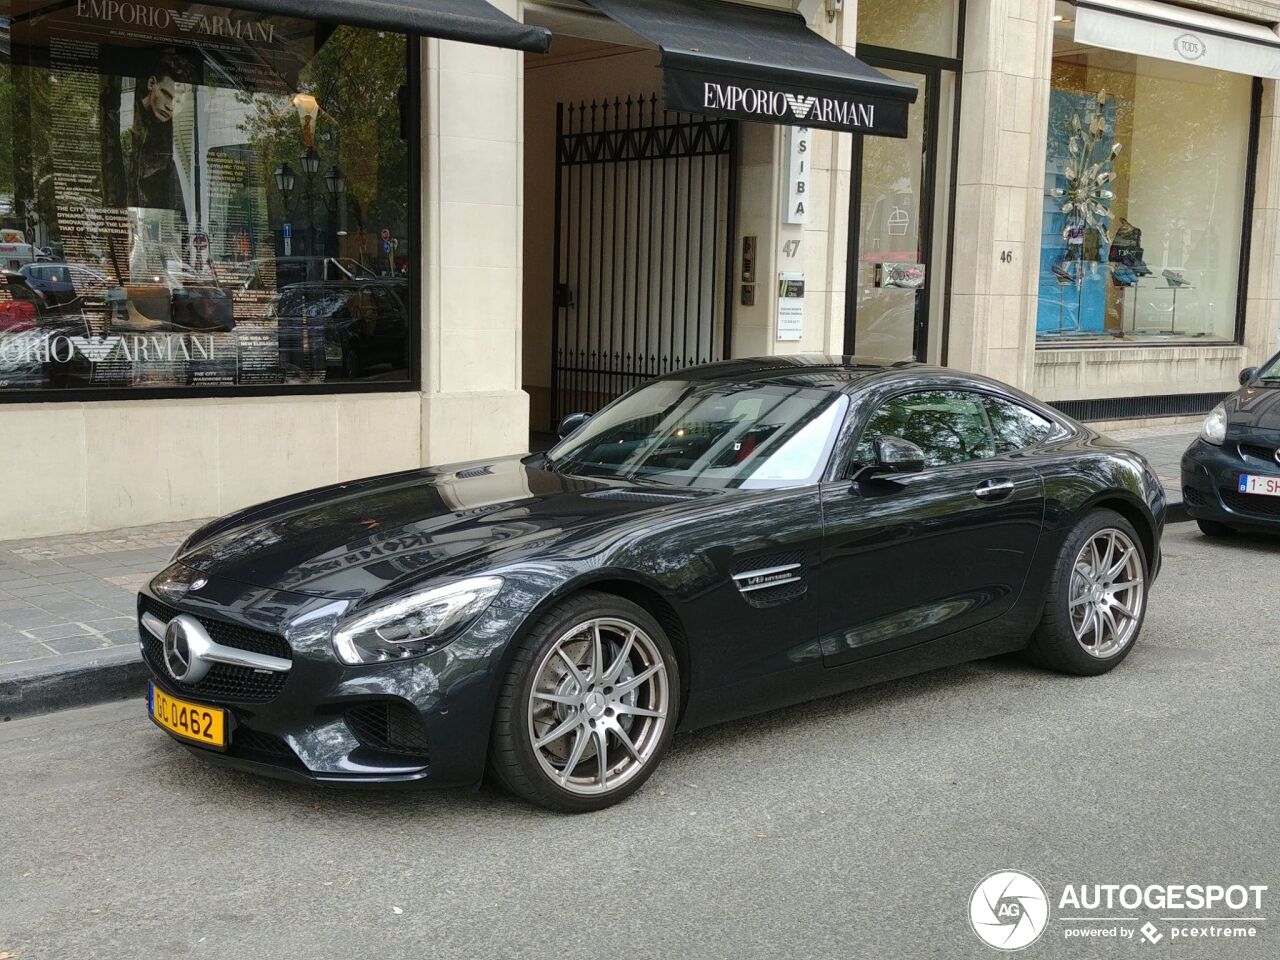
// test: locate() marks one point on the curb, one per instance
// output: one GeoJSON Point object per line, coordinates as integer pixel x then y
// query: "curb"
{"type": "Point", "coordinates": [99, 676]}
{"type": "Point", "coordinates": [1176, 513]}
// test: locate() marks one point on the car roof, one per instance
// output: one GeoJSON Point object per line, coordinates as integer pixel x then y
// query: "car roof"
{"type": "Point", "coordinates": [804, 369]}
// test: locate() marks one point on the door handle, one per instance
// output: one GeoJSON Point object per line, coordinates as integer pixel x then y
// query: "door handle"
{"type": "Point", "coordinates": [994, 490]}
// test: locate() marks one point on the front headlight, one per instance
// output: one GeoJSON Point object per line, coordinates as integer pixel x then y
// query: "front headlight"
{"type": "Point", "coordinates": [414, 626]}
{"type": "Point", "coordinates": [1215, 426]}
{"type": "Point", "coordinates": [172, 583]}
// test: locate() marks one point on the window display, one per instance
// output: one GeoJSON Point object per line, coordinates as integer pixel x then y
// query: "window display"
{"type": "Point", "coordinates": [193, 196]}
{"type": "Point", "coordinates": [1144, 199]}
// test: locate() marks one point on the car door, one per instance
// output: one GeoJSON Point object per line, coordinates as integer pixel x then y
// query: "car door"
{"type": "Point", "coordinates": [911, 558]}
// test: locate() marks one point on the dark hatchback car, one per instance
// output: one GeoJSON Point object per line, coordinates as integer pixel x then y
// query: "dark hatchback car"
{"type": "Point", "coordinates": [351, 328]}
{"type": "Point", "coordinates": [1231, 471]}
{"type": "Point", "coordinates": [718, 542]}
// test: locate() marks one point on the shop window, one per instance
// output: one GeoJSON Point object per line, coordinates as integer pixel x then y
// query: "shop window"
{"type": "Point", "coordinates": [1144, 199]}
{"type": "Point", "coordinates": [199, 198]}
{"type": "Point", "coordinates": [924, 26]}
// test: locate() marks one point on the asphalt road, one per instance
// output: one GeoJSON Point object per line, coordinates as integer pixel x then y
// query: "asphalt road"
{"type": "Point", "coordinates": [853, 827]}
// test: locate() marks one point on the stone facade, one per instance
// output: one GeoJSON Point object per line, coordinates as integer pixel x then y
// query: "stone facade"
{"type": "Point", "coordinates": [78, 466]}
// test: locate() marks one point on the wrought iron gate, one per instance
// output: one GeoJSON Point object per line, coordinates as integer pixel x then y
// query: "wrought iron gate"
{"type": "Point", "coordinates": [645, 203]}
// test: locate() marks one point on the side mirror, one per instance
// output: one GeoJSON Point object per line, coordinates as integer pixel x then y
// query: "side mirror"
{"type": "Point", "coordinates": [1247, 374]}
{"type": "Point", "coordinates": [571, 423]}
{"type": "Point", "coordinates": [893, 456]}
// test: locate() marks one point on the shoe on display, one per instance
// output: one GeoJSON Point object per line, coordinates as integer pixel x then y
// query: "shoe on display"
{"type": "Point", "coordinates": [1137, 265]}
{"type": "Point", "coordinates": [1175, 278]}
{"type": "Point", "coordinates": [1123, 276]}
{"type": "Point", "coordinates": [1062, 271]}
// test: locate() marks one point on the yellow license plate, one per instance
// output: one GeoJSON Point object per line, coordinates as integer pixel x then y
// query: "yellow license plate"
{"type": "Point", "coordinates": [191, 721]}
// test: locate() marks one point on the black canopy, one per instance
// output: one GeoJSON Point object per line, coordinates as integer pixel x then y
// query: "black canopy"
{"type": "Point", "coordinates": [471, 21]}
{"type": "Point", "coordinates": [732, 60]}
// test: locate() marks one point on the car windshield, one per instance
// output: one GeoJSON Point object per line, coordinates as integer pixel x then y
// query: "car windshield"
{"type": "Point", "coordinates": [1271, 372]}
{"type": "Point", "coordinates": [708, 434]}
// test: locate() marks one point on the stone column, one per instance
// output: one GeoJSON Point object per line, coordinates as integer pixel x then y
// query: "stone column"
{"type": "Point", "coordinates": [472, 193]}
{"type": "Point", "coordinates": [1000, 187]}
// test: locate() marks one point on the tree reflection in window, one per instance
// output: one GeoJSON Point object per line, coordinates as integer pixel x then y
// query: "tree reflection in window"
{"type": "Point", "coordinates": [949, 426]}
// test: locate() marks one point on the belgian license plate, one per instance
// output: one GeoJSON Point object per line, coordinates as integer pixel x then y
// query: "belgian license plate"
{"type": "Point", "coordinates": [191, 721]}
{"type": "Point", "coordinates": [1263, 486]}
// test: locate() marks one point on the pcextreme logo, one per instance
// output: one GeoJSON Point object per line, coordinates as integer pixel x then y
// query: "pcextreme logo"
{"type": "Point", "coordinates": [1009, 910]}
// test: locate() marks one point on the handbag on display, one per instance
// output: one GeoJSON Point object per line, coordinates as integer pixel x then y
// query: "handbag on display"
{"type": "Point", "coordinates": [1126, 248]}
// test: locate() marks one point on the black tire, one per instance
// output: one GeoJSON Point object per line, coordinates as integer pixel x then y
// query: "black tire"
{"type": "Point", "coordinates": [1054, 644]}
{"type": "Point", "coordinates": [512, 759]}
{"type": "Point", "coordinates": [352, 362]}
{"type": "Point", "coordinates": [1212, 528]}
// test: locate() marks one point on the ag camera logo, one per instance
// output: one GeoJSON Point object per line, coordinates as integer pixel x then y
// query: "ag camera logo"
{"type": "Point", "coordinates": [1008, 910]}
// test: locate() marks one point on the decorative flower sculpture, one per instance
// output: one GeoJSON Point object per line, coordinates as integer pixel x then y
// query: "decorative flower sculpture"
{"type": "Point", "coordinates": [1086, 199]}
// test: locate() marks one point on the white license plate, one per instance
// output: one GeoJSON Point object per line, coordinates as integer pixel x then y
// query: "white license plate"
{"type": "Point", "coordinates": [1263, 486]}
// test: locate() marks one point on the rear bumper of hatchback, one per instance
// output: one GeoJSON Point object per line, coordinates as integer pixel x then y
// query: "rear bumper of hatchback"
{"type": "Point", "coordinates": [1211, 481]}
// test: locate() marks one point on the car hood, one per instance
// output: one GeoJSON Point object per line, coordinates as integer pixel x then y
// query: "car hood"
{"type": "Point", "coordinates": [387, 533]}
{"type": "Point", "coordinates": [1255, 408]}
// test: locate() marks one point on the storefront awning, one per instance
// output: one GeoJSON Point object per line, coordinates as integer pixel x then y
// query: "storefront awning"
{"type": "Point", "coordinates": [1161, 30]}
{"type": "Point", "coordinates": [471, 21]}
{"type": "Point", "coordinates": [726, 59]}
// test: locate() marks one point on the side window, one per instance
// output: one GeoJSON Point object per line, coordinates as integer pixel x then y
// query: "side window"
{"type": "Point", "coordinates": [804, 455]}
{"type": "Point", "coordinates": [950, 426]}
{"type": "Point", "coordinates": [1015, 427]}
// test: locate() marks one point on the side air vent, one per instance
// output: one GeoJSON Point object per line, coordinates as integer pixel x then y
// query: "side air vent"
{"type": "Point", "coordinates": [470, 473]}
{"type": "Point", "coordinates": [766, 579]}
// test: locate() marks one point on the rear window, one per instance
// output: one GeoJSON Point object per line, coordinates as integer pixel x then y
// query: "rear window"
{"type": "Point", "coordinates": [1014, 426]}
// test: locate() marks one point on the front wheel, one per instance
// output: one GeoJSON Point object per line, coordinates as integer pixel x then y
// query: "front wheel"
{"type": "Point", "coordinates": [588, 706]}
{"type": "Point", "coordinates": [1097, 598]}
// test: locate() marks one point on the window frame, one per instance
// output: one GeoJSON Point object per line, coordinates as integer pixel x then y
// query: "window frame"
{"type": "Point", "coordinates": [992, 398]}
{"type": "Point", "coordinates": [413, 309]}
{"type": "Point", "coordinates": [1242, 281]}
{"type": "Point", "coordinates": [860, 414]}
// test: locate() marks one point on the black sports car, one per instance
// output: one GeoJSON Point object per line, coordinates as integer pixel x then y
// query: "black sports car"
{"type": "Point", "coordinates": [1231, 472]}
{"type": "Point", "coordinates": [721, 541]}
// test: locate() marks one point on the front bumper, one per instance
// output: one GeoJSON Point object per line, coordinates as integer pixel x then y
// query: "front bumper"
{"type": "Point", "coordinates": [1210, 482]}
{"type": "Point", "coordinates": [424, 720]}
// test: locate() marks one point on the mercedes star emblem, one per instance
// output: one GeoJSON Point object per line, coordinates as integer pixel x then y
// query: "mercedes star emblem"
{"type": "Point", "coordinates": [183, 663]}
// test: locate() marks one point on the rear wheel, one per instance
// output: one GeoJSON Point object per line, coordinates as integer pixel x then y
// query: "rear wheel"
{"type": "Point", "coordinates": [1097, 598]}
{"type": "Point", "coordinates": [1212, 528]}
{"type": "Point", "coordinates": [588, 707]}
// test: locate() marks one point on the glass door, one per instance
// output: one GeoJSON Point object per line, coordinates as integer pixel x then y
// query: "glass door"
{"type": "Point", "coordinates": [891, 206]}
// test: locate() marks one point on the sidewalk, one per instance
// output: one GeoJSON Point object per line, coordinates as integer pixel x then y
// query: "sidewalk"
{"type": "Point", "coordinates": [67, 630]}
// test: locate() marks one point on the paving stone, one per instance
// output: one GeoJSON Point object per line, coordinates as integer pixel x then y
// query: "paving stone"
{"type": "Point", "coordinates": [33, 651]}
{"type": "Point", "coordinates": [35, 617]}
{"type": "Point", "coordinates": [79, 609]}
{"type": "Point", "coordinates": [58, 631]}
{"type": "Point", "coordinates": [76, 644]}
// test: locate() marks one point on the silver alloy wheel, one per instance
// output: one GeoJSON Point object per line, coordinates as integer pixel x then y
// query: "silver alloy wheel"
{"type": "Point", "coordinates": [599, 705]}
{"type": "Point", "coordinates": [1107, 588]}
